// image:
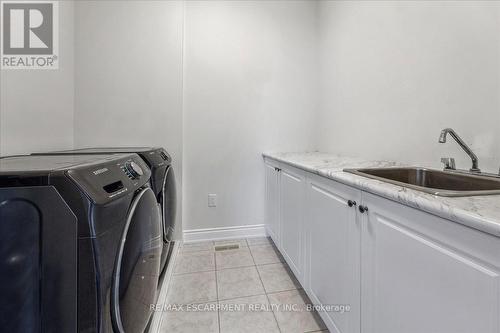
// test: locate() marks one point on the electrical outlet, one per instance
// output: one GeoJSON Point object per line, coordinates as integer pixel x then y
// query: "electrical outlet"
{"type": "Point", "coordinates": [212, 200]}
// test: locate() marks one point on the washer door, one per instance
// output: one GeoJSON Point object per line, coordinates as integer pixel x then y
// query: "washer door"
{"type": "Point", "coordinates": [137, 268]}
{"type": "Point", "coordinates": [168, 203]}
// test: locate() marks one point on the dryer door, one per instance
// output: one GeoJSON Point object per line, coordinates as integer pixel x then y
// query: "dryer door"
{"type": "Point", "coordinates": [137, 266]}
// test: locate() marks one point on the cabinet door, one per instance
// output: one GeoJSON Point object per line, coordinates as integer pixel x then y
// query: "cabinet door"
{"type": "Point", "coordinates": [272, 202]}
{"type": "Point", "coordinates": [292, 190]}
{"type": "Point", "coordinates": [333, 253]}
{"type": "Point", "coordinates": [415, 279]}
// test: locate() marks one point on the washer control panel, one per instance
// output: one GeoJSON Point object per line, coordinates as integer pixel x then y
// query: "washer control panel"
{"type": "Point", "coordinates": [111, 176]}
{"type": "Point", "coordinates": [132, 170]}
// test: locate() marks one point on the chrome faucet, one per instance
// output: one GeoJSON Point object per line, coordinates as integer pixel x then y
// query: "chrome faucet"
{"type": "Point", "coordinates": [454, 135]}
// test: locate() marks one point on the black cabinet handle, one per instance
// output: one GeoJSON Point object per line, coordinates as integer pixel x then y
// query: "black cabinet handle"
{"type": "Point", "coordinates": [363, 209]}
{"type": "Point", "coordinates": [351, 203]}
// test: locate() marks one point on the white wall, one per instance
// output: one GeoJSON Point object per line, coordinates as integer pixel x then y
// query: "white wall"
{"type": "Point", "coordinates": [129, 74]}
{"type": "Point", "coordinates": [381, 81]}
{"type": "Point", "coordinates": [249, 87]}
{"type": "Point", "coordinates": [128, 77]}
{"type": "Point", "coordinates": [393, 74]}
{"type": "Point", "coordinates": [36, 106]}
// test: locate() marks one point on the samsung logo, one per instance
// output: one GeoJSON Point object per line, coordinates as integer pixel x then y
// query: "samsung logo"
{"type": "Point", "coordinates": [99, 171]}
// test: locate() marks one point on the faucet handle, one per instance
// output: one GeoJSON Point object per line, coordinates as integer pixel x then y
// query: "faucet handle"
{"type": "Point", "coordinates": [449, 163]}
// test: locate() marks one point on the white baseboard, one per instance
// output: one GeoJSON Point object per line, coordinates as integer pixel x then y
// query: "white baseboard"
{"type": "Point", "coordinates": [244, 231]}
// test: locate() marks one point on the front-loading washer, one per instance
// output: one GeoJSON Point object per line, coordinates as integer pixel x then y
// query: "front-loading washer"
{"type": "Point", "coordinates": [80, 243]}
{"type": "Point", "coordinates": [162, 182]}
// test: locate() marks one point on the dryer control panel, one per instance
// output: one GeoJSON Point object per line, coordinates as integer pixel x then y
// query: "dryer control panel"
{"type": "Point", "coordinates": [157, 157]}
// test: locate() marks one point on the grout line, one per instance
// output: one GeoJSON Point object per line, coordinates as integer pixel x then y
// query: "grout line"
{"type": "Point", "coordinates": [223, 269]}
{"type": "Point", "coordinates": [274, 263]}
{"type": "Point", "coordinates": [267, 297]}
{"type": "Point", "coordinates": [217, 290]}
{"type": "Point", "coordinates": [254, 263]}
{"type": "Point", "coordinates": [237, 267]}
{"type": "Point", "coordinates": [216, 266]}
{"type": "Point", "coordinates": [186, 273]}
{"type": "Point", "coordinates": [284, 291]}
{"type": "Point", "coordinates": [238, 297]}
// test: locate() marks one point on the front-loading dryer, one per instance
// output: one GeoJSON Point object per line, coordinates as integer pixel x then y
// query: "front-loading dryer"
{"type": "Point", "coordinates": [80, 243]}
{"type": "Point", "coordinates": [162, 183]}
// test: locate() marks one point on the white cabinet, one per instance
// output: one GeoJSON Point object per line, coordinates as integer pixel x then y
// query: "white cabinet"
{"type": "Point", "coordinates": [421, 273]}
{"type": "Point", "coordinates": [272, 201]}
{"type": "Point", "coordinates": [390, 268]}
{"type": "Point", "coordinates": [292, 201]}
{"type": "Point", "coordinates": [333, 252]}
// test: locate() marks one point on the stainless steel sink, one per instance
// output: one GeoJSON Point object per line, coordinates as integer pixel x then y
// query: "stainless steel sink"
{"type": "Point", "coordinates": [441, 183]}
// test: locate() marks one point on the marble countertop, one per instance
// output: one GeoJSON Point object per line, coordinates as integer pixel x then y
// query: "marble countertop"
{"type": "Point", "coordinates": [479, 212]}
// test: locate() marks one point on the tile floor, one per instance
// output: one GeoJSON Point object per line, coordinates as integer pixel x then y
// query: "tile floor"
{"type": "Point", "coordinates": [249, 289]}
